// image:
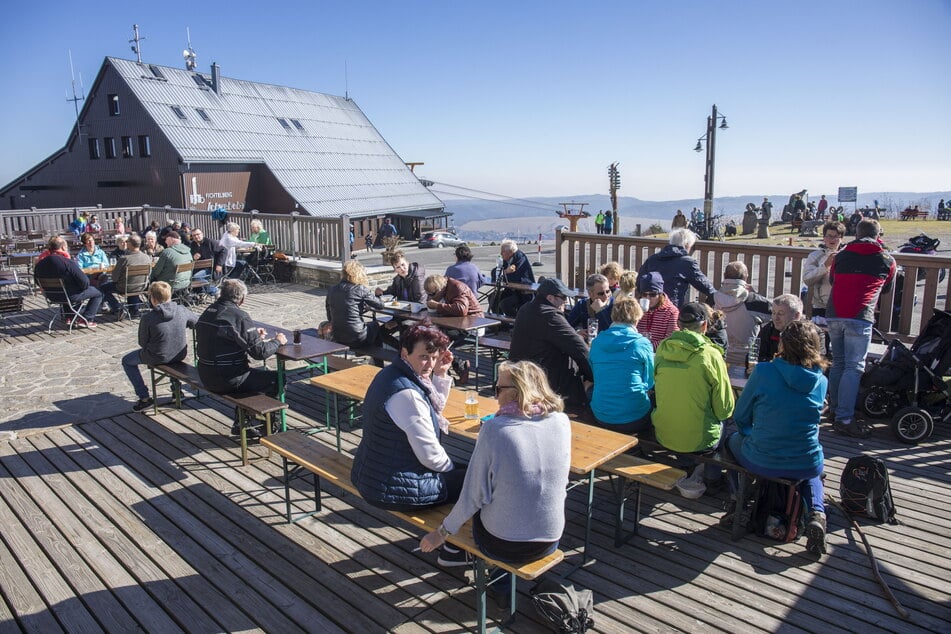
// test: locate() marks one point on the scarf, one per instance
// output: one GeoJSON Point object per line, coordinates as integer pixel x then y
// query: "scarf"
{"type": "Point", "coordinates": [512, 409]}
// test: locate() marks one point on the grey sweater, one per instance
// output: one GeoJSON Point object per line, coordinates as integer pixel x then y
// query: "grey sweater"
{"type": "Point", "coordinates": [162, 335]}
{"type": "Point", "coordinates": [517, 478]}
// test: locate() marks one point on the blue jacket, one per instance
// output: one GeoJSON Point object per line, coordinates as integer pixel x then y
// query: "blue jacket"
{"type": "Point", "coordinates": [623, 363]}
{"type": "Point", "coordinates": [385, 470]}
{"type": "Point", "coordinates": [579, 315]}
{"type": "Point", "coordinates": [778, 416]}
{"type": "Point", "coordinates": [469, 274]}
{"type": "Point", "coordinates": [678, 270]}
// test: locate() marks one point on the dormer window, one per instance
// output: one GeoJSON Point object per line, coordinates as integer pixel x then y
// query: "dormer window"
{"type": "Point", "coordinates": [113, 105]}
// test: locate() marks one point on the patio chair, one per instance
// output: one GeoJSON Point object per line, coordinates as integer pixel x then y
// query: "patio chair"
{"type": "Point", "coordinates": [182, 294]}
{"type": "Point", "coordinates": [135, 284]}
{"type": "Point", "coordinates": [9, 306]}
{"type": "Point", "coordinates": [54, 290]}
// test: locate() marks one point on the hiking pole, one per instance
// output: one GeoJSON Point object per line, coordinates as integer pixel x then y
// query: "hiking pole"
{"type": "Point", "coordinates": [902, 612]}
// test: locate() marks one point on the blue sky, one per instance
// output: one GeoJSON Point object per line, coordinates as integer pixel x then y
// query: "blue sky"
{"type": "Point", "coordinates": [536, 98]}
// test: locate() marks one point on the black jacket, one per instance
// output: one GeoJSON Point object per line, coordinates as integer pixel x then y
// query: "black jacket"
{"type": "Point", "coordinates": [208, 249]}
{"type": "Point", "coordinates": [345, 304]}
{"type": "Point", "coordinates": [678, 270]}
{"type": "Point", "coordinates": [409, 288]}
{"type": "Point", "coordinates": [225, 337]}
{"type": "Point", "coordinates": [63, 268]}
{"type": "Point", "coordinates": [542, 335]}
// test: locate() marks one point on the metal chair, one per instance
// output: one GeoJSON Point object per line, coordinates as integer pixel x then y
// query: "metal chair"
{"type": "Point", "coordinates": [135, 283]}
{"type": "Point", "coordinates": [9, 306]}
{"type": "Point", "coordinates": [54, 290]}
{"type": "Point", "coordinates": [182, 294]}
{"type": "Point", "coordinates": [260, 268]}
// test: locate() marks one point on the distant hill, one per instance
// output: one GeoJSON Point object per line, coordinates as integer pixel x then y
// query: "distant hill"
{"type": "Point", "coordinates": [478, 219]}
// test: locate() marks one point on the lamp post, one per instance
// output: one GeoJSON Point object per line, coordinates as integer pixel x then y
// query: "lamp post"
{"type": "Point", "coordinates": [711, 142]}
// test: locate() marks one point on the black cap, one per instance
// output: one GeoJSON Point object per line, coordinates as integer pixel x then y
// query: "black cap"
{"type": "Point", "coordinates": [552, 286]}
{"type": "Point", "coordinates": [693, 313]}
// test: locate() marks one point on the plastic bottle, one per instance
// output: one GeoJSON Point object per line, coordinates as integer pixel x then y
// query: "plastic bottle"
{"type": "Point", "coordinates": [592, 329]}
{"type": "Point", "coordinates": [499, 264]}
{"type": "Point", "coordinates": [752, 357]}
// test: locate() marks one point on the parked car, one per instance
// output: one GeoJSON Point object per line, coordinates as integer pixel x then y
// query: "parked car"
{"type": "Point", "coordinates": [440, 239]}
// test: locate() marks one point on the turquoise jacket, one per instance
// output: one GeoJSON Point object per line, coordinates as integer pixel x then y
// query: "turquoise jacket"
{"type": "Point", "coordinates": [623, 363]}
{"type": "Point", "coordinates": [778, 416]}
{"type": "Point", "coordinates": [693, 392]}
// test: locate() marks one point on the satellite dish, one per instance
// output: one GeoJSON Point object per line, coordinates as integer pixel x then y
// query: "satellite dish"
{"type": "Point", "coordinates": [186, 53]}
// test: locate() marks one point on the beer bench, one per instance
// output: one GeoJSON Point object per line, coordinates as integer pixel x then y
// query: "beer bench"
{"type": "Point", "coordinates": [303, 455]}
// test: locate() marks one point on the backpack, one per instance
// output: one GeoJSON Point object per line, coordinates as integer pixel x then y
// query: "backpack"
{"type": "Point", "coordinates": [865, 490]}
{"type": "Point", "coordinates": [778, 511]}
{"type": "Point", "coordinates": [563, 607]}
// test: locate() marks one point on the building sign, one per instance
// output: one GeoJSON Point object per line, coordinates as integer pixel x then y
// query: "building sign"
{"type": "Point", "coordinates": [848, 194]}
{"type": "Point", "coordinates": [216, 190]}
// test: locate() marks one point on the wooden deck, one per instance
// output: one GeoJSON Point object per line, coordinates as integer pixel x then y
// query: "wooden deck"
{"type": "Point", "coordinates": [149, 523]}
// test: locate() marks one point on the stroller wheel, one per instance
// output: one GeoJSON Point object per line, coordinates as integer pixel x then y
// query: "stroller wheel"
{"type": "Point", "coordinates": [912, 424]}
{"type": "Point", "coordinates": [878, 403]}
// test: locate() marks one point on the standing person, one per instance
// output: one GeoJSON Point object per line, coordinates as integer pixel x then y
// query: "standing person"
{"type": "Point", "coordinates": [345, 305]}
{"type": "Point", "coordinates": [860, 272]}
{"type": "Point", "coordinates": [387, 230]}
{"type": "Point", "coordinates": [623, 364]}
{"type": "Point", "coordinates": [599, 222]}
{"type": "Point", "coordinates": [369, 241]}
{"type": "Point", "coordinates": [679, 221]}
{"type": "Point", "coordinates": [515, 269]}
{"type": "Point", "coordinates": [543, 335]}
{"type": "Point", "coordinates": [161, 339]}
{"type": "Point", "coordinates": [693, 391]}
{"type": "Point", "coordinates": [515, 485]}
{"type": "Point", "coordinates": [778, 420]}
{"type": "Point", "coordinates": [55, 263]}
{"type": "Point", "coordinates": [400, 463]}
{"type": "Point", "coordinates": [225, 338]}
{"type": "Point", "coordinates": [678, 268]}
{"type": "Point", "coordinates": [660, 314]}
{"type": "Point", "coordinates": [786, 309]}
{"type": "Point", "coordinates": [608, 223]}
{"type": "Point", "coordinates": [229, 243]}
{"type": "Point", "coordinates": [597, 305]}
{"type": "Point", "coordinates": [744, 311]}
{"type": "Point", "coordinates": [821, 207]}
{"type": "Point", "coordinates": [815, 269]}
{"type": "Point", "coordinates": [465, 271]}
{"type": "Point", "coordinates": [407, 285]}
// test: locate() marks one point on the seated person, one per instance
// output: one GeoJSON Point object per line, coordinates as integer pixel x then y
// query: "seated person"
{"type": "Point", "coordinates": [166, 267]}
{"type": "Point", "coordinates": [345, 304]}
{"type": "Point", "coordinates": [122, 248]}
{"type": "Point", "coordinates": [229, 243]}
{"type": "Point", "coordinates": [623, 364]}
{"type": "Point", "coordinates": [407, 285]}
{"type": "Point", "coordinates": [120, 276]}
{"type": "Point", "coordinates": [543, 335]}
{"type": "Point", "coordinates": [660, 314]}
{"type": "Point", "coordinates": [515, 484]}
{"type": "Point", "coordinates": [150, 245]}
{"type": "Point", "coordinates": [225, 337]}
{"type": "Point", "coordinates": [612, 271]}
{"type": "Point", "coordinates": [786, 309]}
{"type": "Point", "coordinates": [91, 255]}
{"type": "Point", "coordinates": [597, 305]}
{"type": "Point", "coordinates": [516, 269]}
{"type": "Point", "coordinates": [452, 298]}
{"type": "Point", "coordinates": [258, 234]}
{"type": "Point", "coordinates": [627, 285]}
{"type": "Point", "coordinates": [778, 418]}
{"type": "Point", "coordinates": [162, 339]}
{"type": "Point", "coordinates": [744, 311]}
{"type": "Point", "coordinates": [55, 263]}
{"type": "Point", "coordinates": [692, 389]}
{"type": "Point", "coordinates": [94, 226]}
{"type": "Point", "coordinates": [400, 464]}
{"type": "Point", "coordinates": [465, 271]}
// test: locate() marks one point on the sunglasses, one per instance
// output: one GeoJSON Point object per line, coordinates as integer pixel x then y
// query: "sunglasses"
{"type": "Point", "coordinates": [603, 293]}
{"type": "Point", "coordinates": [650, 294]}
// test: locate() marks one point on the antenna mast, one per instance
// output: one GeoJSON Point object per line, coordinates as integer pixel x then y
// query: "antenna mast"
{"type": "Point", "coordinates": [72, 75]}
{"type": "Point", "coordinates": [346, 81]}
{"type": "Point", "coordinates": [136, 43]}
{"type": "Point", "coordinates": [191, 58]}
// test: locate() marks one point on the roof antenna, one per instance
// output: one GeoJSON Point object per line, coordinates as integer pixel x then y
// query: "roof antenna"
{"type": "Point", "coordinates": [346, 81]}
{"type": "Point", "coordinates": [72, 75]}
{"type": "Point", "coordinates": [191, 58]}
{"type": "Point", "coordinates": [135, 42]}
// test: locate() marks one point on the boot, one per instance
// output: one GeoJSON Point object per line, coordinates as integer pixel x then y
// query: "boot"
{"type": "Point", "coordinates": [816, 533]}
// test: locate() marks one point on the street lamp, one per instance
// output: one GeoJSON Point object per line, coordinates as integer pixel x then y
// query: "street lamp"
{"type": "Point", "coordinates": [711, 142]}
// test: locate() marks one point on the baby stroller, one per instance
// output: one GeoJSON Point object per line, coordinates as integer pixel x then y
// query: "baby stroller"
{"type": "Point", "coordinates": [923, 245]}
{"type": "Point", "coordinates": [910, 384]}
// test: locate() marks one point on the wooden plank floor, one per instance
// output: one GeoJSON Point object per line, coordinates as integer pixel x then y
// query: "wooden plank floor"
{"type": "Point", "coordinates": [149, 523]}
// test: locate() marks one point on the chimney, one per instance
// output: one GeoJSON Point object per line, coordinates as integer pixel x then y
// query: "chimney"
{"type": "Point", "coordinates": [216, 78]}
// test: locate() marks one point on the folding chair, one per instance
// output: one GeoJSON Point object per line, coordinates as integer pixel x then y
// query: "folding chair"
{"type": "Point", "coordinates": [54, 290]}
{"type": "Point", "coordinates": [182, 294]}
{"type": "Point", "coordinates": [16, 260]}
{"type": "Point", "coordinates": [135, 284]}
{"type": "Point", "coordinates": [9, 306]}
{"type": "Point", "coordinates": [199, 286]}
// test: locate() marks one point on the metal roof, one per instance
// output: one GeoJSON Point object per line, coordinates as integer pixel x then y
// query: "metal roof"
{"type": "Point", "coordinates": [332, 161]}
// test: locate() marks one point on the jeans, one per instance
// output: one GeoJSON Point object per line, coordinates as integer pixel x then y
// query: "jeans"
{"type": "Point", "coordinates": [850, 339]}
{"type": "Point", "coordinates": [108, 289]}
{"type": "Point", "coordinates": [204, 275]}
{"type": "Point", "coordinates": [95, 301]}
{"type": "Point", "coordinates": [131, 363]}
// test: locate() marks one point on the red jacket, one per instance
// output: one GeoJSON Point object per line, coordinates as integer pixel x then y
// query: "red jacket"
{"type": "Point", "coordinates": [860, 272]}
{"type": "Point", "coordinates": [457, 300]}
{"type": "Point", "coordinates": [657, 324]}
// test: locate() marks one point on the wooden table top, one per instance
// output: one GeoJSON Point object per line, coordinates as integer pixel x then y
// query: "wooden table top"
{"type": "Point", "coordinates": [310, 347]}
{"type": "Point", "coordinates": [590, 446]}
{"type": "Point", "coordinates": [93, 270]}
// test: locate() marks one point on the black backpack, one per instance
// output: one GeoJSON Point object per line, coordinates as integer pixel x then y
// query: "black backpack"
{"type": "Point", "coordinates": [865, 490]}
{"type": "Point", "coordinates": [563, 607]}
{"type": "Point", "coordinates": [778, 511]}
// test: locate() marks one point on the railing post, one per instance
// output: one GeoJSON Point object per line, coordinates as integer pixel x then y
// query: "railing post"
{"type": "Point", "coordinates": [344, 238]}
{"type": "Point", "coordinates": [294, 229]}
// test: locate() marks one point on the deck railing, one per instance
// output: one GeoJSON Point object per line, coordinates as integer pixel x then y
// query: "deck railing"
{"type": "Point", "coordinates": [296, 235]}
{"type": "Point", "coordinates": [774, 270]}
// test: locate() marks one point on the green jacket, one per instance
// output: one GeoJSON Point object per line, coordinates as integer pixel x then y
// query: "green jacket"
{"type": "Point", "coordinates": [168, 260]}
{"type": "Point", "coordinates": [693, 392]}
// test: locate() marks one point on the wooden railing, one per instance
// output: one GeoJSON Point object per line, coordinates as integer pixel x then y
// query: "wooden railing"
{"type": "Point", "coordinates": [296, 235]}
{"type": "Point", "coordinates": [774, 270]}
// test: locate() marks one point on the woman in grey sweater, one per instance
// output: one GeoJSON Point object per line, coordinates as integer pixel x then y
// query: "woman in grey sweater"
{"type": "Point", "coordinates": [516, 480]}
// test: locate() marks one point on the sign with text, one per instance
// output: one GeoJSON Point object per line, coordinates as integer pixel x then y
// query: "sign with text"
{"type": "Point", "coordinates": [848, 194]}
{"type": "Point", "coordinates": [213, 190]}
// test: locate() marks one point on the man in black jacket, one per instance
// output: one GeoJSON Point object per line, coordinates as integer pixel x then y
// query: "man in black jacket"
{"type": "Point", "coordinates": [679, 269]}
{"type": "Point", "coordinates": [542, 334]}
{"type": "Point", "coordinates": [55, 263]}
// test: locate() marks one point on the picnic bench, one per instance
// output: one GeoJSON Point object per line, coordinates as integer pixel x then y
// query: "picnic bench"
{"type": "Point", "coordinates": [303, 455]}
{"type": "Point", "coordinates": [248, 404]}
{"type": "Point", "coordinates": [914, 214]}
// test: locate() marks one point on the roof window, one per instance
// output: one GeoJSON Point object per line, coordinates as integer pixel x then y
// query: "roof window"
{"type": "Point", "coordinates": [284, 123]}
{"type": "Point", "coordinates": [179, 113]}
{"type": "Point", "coordinates": [297, 124]}
{"type": "Point", "coordinates": [201, 113]}
{"type": "Point", "coordinates": [156, 71]}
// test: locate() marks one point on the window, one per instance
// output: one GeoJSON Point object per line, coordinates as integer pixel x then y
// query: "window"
{"type": "Point", "coordinates": [200, 80]}
{"type": "Point", "coordinates": [179, 113]}
{"type": "Point", "coordinates": [94, 148]}
{"type": "Point", "coordinates": [145, 146]}
{"type": "Point", "coordinates": [127, 147]}
{"type": "Point", "coordinates": [284, 123]}
{"type": "Point", "coordinates": [156, 72]}
{"type": "Point", "coordinates": [297, 124]}
{"type": "Point", "coordinates": [201, 113]}
{"type": "Point", "coordinates": [110, 143]}
{"type": "Point", "coordinates": [113, 105]}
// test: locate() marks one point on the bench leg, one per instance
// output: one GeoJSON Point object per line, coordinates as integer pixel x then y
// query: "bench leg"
{"type": "Point", "coordinates": [623, 490]}
{"type": "Point", "coordinates": [743, 513]}
{"type": "Point", "coordinates": [154, 391]}
{"type": "Point", "coordinates": [292, 474]}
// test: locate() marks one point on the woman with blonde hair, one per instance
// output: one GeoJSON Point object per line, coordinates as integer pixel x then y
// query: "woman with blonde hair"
{"type": "Point", "coordinates": [258, 234]}
{"type": "Point", "coordinates": [514, 489]}
{"type": "Point", "coordinates": [346, 302]}
{"type": "Point", "coordinates": [612, 271]}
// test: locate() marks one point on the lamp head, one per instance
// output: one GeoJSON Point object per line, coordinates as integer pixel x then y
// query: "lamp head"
{"type": "Point", "coordinates": [699, 147]}
{"type": "Point", "coordinates": [724, 126]}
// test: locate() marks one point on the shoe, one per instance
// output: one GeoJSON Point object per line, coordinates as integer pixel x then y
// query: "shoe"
{"type": "Point", "coordinates": [816, 533]}
{"type": "Point", "coordinates": [175, 386]}
{"type": "Point", "coordinates": [85, 324]}
{"type": "Point", "coordinates": [727, 518]}
{"type": "Point", "coordinates": [141, 404]}
{"type": "Point", "coordinates": [855, 429]}
{"type": "Point", "coordinates": [715, 485]}
{"type": "Point", "coordinates": [105, 310]}
{"type": "Point", "coordinates": [452, 557]}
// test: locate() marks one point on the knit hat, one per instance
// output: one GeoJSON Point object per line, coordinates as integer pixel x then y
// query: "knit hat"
{"type": "Point", "coordinates": [652, 282]}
